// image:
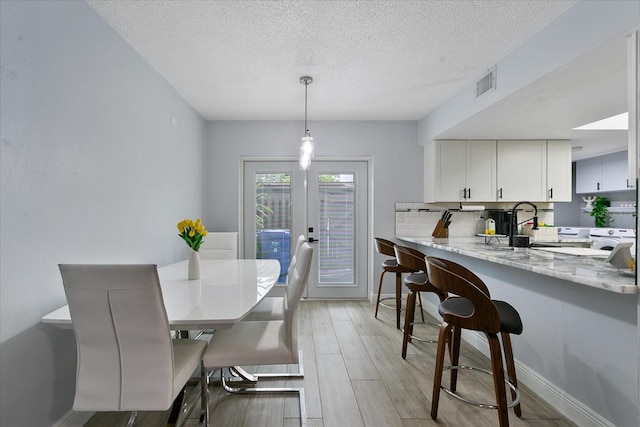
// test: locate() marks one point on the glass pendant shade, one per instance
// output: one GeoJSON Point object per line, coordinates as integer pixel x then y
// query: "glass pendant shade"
{"type": "Point", "coordinates": [306, 150]}
{"type": "Point", "coordinates": [306, 147]}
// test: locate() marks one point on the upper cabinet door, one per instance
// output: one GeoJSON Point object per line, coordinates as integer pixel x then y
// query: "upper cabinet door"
{"type": "Point", "coordinates": [559, 171]}
{"type": "Point", "coordinates": [588, 175]}
{"type": "Point", "coordinates": [522, 170]}
{"type": "Point", "coordinates": [603, 173]}
{"type": "Point", "coordinates": [481, 171]}
{"type": "Point", "coordinates": [615, 172]}
{"type": "Point", "coordinates": [449, 170]}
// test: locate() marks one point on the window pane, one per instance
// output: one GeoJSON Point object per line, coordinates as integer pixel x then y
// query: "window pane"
{"type": "Point", "coordinates": [336, 233]}
{"type": "Point", "coordinates": [273, 219]}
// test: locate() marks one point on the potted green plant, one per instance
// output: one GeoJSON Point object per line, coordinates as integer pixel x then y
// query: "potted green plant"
{"type": "Point", "coordinates": [600, 212]}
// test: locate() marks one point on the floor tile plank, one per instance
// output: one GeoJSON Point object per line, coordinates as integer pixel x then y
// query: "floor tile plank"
{"type": "Point", "coordinates": [355, 355]}
{"type": "Point", "coordinates": [339, 405]}
{"type": "Point", "coordinates": [324, 337]}
{"type": "Point", "coordinates": [376, 405]}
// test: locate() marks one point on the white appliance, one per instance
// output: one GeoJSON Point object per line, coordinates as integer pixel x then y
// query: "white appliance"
{"type": "Point", "coordinates": [575, 232]}
{"type": "Point", "coordinates": [608, 238]}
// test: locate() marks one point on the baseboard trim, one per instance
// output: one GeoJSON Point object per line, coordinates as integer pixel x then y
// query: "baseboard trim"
{"type": "Point", "coordinates": [567, 405]}
{"type": "Point", "coordinates": [74, 419]}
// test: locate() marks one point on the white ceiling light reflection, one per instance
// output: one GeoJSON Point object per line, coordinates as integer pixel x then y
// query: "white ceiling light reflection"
{"type": "Point", "coordinates": [618, 122]}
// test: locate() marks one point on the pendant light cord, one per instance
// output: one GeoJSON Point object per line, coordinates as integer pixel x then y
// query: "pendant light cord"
{"type": "Point", "coordinates": [306, 85]}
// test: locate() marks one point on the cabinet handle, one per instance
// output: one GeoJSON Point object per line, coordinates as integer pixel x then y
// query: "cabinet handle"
{"type": "Point", "coordinates": [551, 193]}
{"type": "Point", "coordinates": [598, 186]}
{"type": "Point", "coordinates": [500, 193]}
{"type": "Point", "coordinates": [469, 193]}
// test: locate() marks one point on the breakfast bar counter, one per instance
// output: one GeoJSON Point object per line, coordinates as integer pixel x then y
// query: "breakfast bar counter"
{"type": "Point", "coordinates": [579, 347]}
{"type": "Point", "coordinates": [585, 270]}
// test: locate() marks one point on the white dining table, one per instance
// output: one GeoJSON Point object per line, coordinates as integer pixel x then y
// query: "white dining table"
{"type": "Point", "coordinates": [224, 295]}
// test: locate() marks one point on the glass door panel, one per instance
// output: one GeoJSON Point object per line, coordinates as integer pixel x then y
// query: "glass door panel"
{"type": "Point", "coordinates": [273, 219]}
{"type": "Point", "coordinates": [336, 228]}
{"type": "Point", "coordinates": [337, 212]}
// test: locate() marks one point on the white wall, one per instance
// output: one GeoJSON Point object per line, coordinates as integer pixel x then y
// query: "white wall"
{"type": "Point", "coordinates": [92, 171]}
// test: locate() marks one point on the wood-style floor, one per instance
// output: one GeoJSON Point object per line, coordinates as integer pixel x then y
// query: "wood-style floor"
{"type": "Point", "coordinates": [355, 376]}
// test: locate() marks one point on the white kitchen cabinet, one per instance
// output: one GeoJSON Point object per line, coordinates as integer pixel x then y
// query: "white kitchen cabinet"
{"type": "Point", "coordinates": [559, 171]}
{"type": "Point", "coordinates": [459, 171]}
{"type": "Point", "coordinates": [602, 174]}
{"type": "Point", "coordinates": [588, 175]}
{"type": "Point", "coordinates": [522, 170]}
{"type": "Point", "coordinates": [614, 172]}
{"type": "Point", "coordinates": [503, 171]}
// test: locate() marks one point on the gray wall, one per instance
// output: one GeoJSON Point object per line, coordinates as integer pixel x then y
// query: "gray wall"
{"type": "Point", "coordinates": [393, 146]}
{"type": "Point", "coordinates": [92, 171]}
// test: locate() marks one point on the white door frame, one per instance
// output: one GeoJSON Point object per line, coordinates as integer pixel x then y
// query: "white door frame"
{"type": "Point", "coordinates": [370, 202]}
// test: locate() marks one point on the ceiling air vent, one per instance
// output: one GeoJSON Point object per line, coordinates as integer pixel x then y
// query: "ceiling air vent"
{"type": "Point", "coordinates": [487, 83]}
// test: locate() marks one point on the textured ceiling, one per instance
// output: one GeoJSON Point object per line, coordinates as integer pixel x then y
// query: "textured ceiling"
{"type": "Point", "coordinates": [370, 60]}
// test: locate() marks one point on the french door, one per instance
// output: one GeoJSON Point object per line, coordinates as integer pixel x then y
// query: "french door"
{"type": "Point", "coordinates": [328, 204]}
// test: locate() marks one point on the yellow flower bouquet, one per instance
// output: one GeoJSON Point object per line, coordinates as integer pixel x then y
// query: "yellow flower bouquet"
{"type": "Point", "coordinates": [192, 232]}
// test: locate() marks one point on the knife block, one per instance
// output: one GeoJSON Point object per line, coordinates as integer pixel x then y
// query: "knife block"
{"type": "Point", "coordinates": [440, 230]}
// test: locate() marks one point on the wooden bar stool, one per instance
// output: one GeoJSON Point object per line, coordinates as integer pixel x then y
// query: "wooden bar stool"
{"type": "Point", "coordinates": [385, 247]}
{"type": "Point", "coordinates": [473, 309]}
{"type": "Point", "coordinates": [416, 282]}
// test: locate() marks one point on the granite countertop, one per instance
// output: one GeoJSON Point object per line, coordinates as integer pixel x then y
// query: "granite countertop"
{"type": "Point", "coordinates": [589, 271]}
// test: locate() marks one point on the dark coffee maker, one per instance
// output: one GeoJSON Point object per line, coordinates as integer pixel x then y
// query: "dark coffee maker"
{"type": "Point", "coordinates": [502, 219]}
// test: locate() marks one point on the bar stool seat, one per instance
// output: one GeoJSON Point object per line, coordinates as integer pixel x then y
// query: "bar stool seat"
{"type": "Point", "coordinates": [472, 308]}
{"type": "Point", "coordinates": [510, 321]}
{"type": "Point", "coordinates": [385, 247]}
{"type": "Point", "coordinates": [416, 282]}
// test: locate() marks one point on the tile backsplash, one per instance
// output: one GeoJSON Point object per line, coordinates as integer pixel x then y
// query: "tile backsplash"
{"type": "Point", "coordinates": [419, 219]}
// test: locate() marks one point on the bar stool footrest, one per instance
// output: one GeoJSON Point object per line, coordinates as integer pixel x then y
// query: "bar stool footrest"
{"type": "Point", "coordinates": [413, 337]}
{"type": "Point", "coordinates": [393, 307]}
{"type": "Point", "coordinates": [513, 403]}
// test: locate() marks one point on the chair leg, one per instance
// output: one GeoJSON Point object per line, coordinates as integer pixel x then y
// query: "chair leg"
{"type": "Point", "coordinates": [253, 378]}
{"type": "Point", "coordinates": [443, 338]}
{"type": "Point", "coordinates": [408, 322]}
{"type": "Point", "coordinates": [299, 390]}
{"type": "Point", "coordinates": [498, 379]}
{"type": "Point", "coordinates": [511, 369]}
{"type": "Point", "coordinates": [132, 418]}
{"type": "Point", "coordinates": [421, 309]}
{"type": "Point", "coordinates": [379, 292]}
{"type": "Point", "coordinates": [204, 397]}
{"type": "Point", "coordinates": [176, 408]}
{"type": "Point", "coordinates": [398, 298]}
{"type": "Point", "coordinates": [454, 354]}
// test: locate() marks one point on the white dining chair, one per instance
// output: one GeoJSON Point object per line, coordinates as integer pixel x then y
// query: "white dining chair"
{"type": "Point", "coordinates": [126, 359]}
{"type": "Point", "coordinates": [220, 245]}
{"type": "Point", "coordinates": [269, 342]}
{"type": "Point", "coordinates": [272, 308]}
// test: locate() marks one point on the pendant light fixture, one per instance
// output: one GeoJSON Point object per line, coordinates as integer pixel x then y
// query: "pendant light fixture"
{"type": "Point", "coordinates": [306, 147]}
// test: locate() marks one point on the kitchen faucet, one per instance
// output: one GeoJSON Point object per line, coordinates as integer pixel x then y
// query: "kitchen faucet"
{"type": "Point", "coordinates": [513, 221]}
